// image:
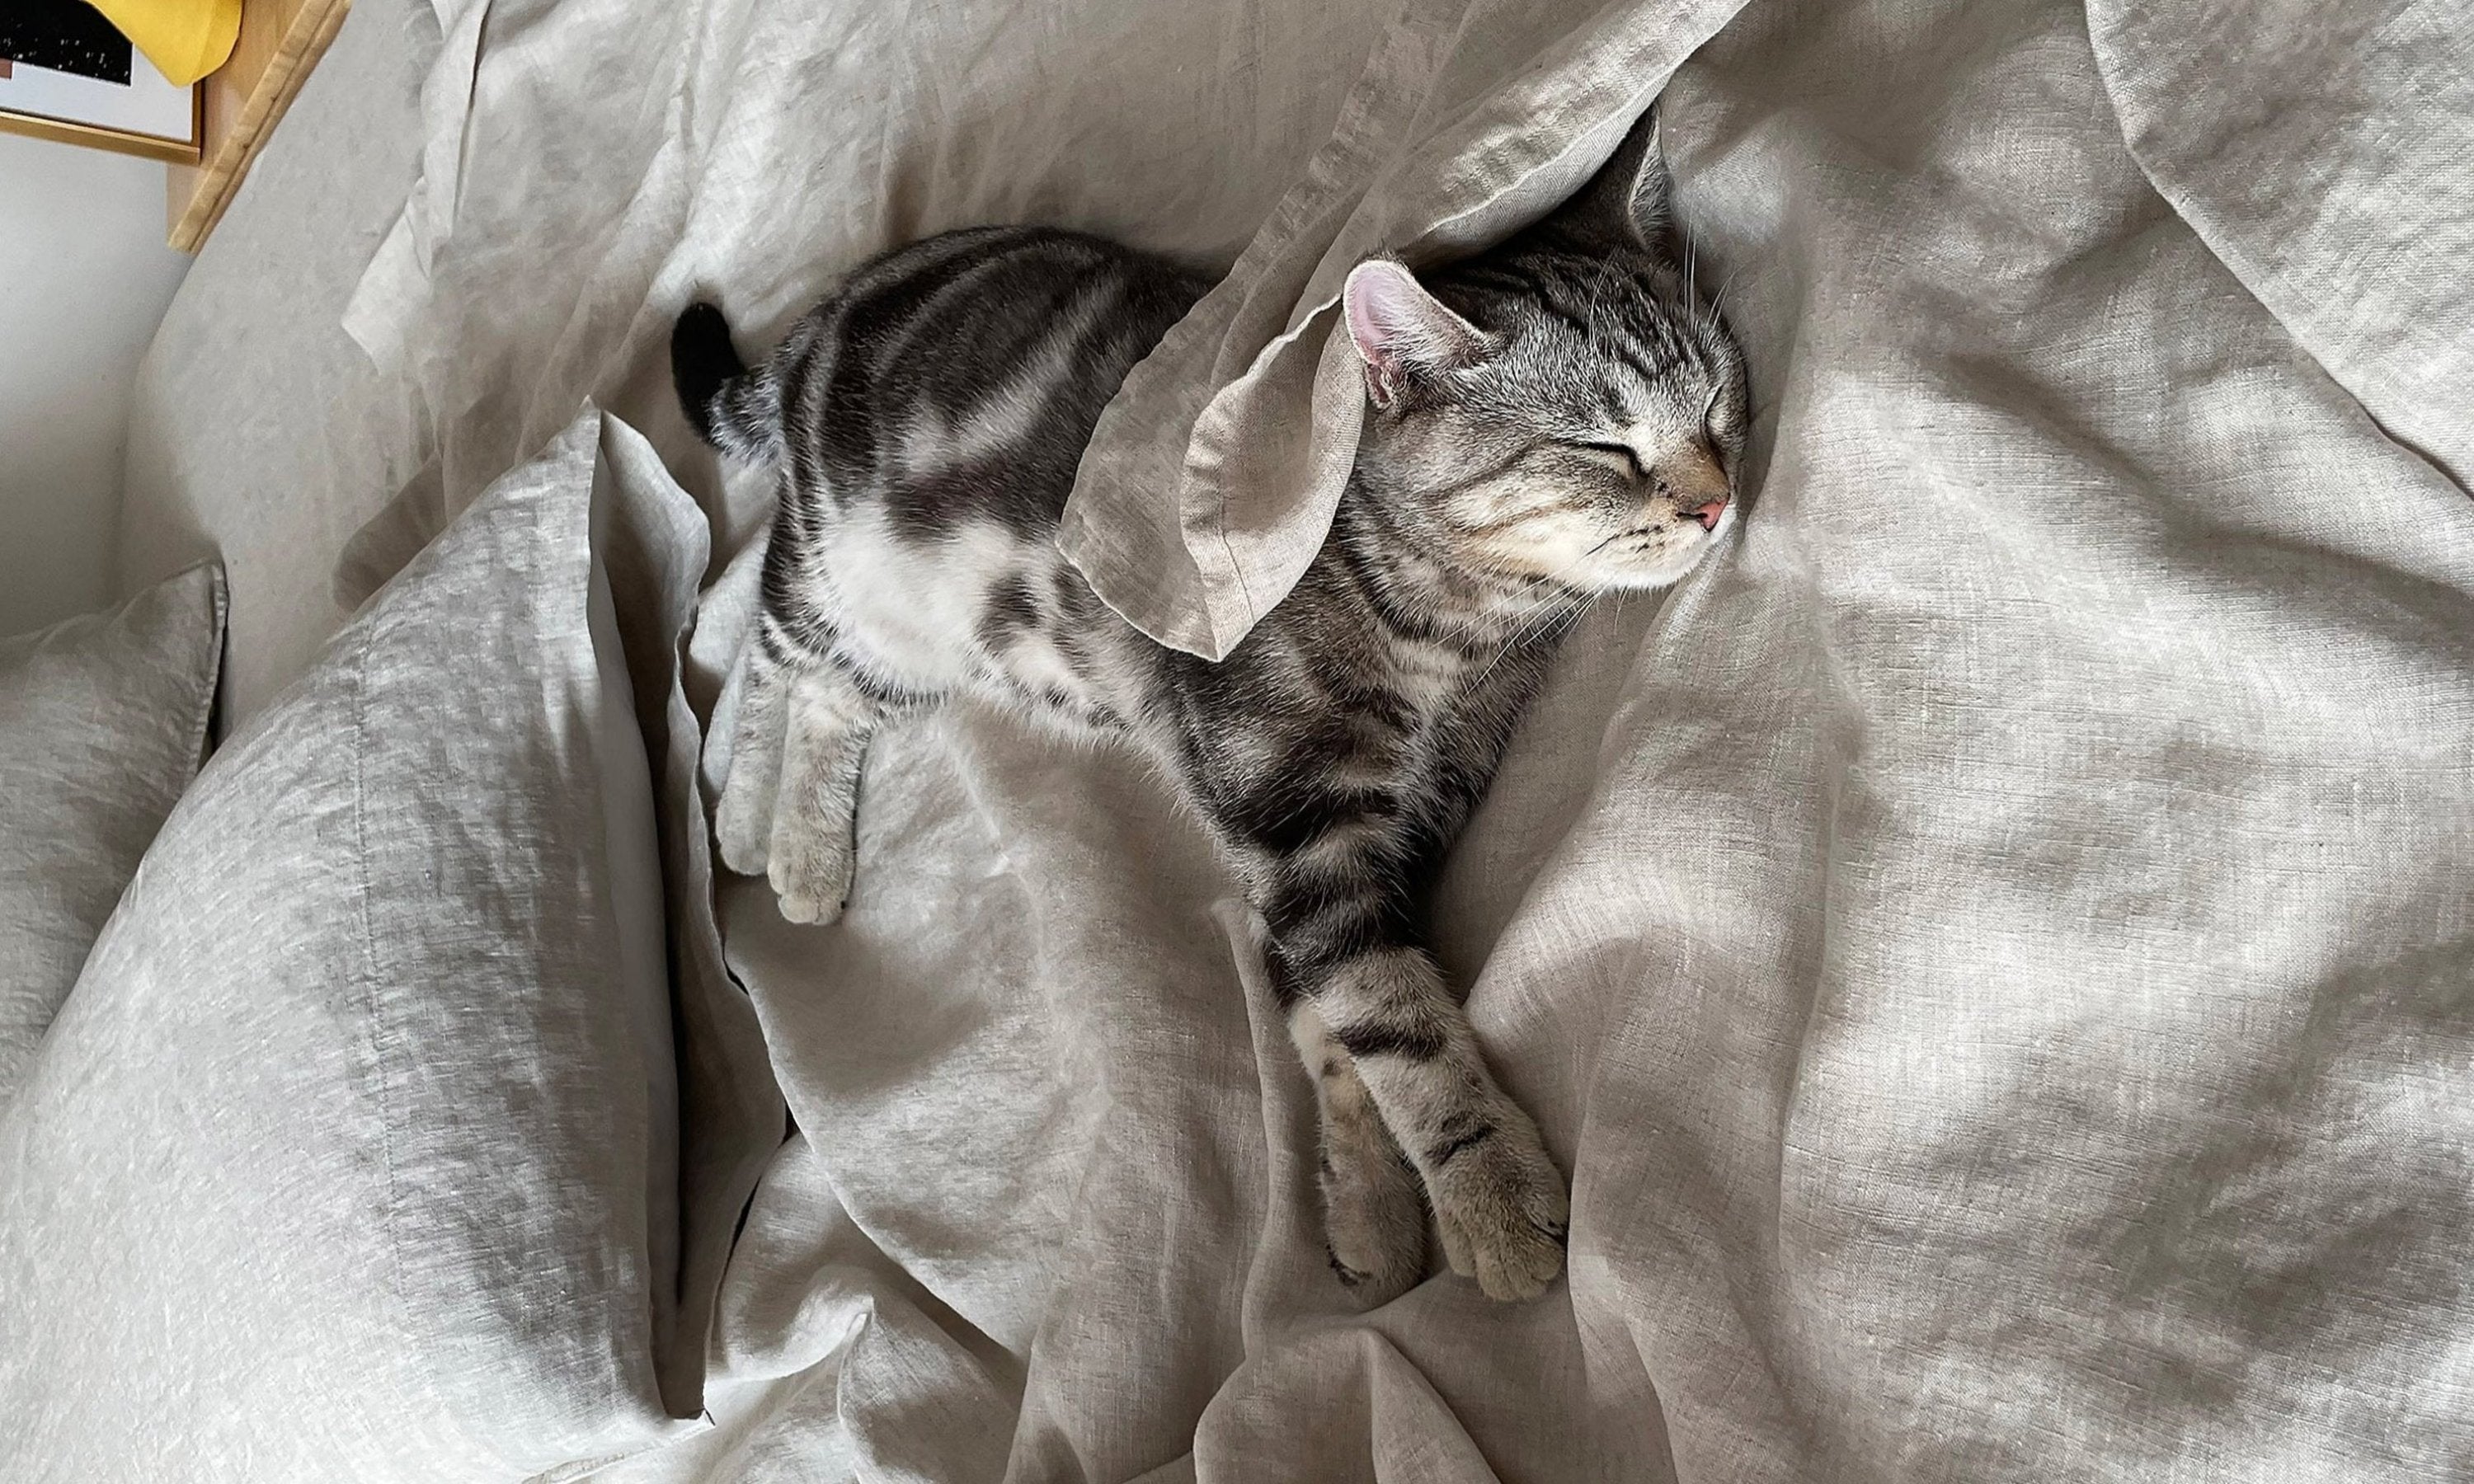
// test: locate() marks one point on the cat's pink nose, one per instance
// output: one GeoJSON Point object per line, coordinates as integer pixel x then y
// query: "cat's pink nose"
{"type": "Point", "coordinates": [1707, 514]}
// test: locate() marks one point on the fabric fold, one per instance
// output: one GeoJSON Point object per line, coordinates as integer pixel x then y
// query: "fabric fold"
{"type": "Point", "coordinates": [2326, 157]}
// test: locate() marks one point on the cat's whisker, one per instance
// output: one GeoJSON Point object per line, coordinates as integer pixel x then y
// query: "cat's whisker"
{"type": "Point", "coordinates": [1718, 300]}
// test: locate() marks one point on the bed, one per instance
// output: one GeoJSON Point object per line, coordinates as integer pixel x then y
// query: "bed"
{"type": "Point", "coordinates": [1993, 947]}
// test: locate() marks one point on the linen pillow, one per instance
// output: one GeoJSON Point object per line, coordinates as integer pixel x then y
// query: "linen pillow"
{"type": "Point", "coordinates": [366, 1147]}
{"type": "Point", "coordinates": [103, 721]}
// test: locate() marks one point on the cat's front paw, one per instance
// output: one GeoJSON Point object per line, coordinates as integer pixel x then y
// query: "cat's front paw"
{"type": "Point", "coordinates": [1374, 1221]}
{"type": "Point", "coordinates": [1501, 1209]}
{"type": "Point", "coordinates": [743, 822]}
{"type": "Point", "coordinates": [811, 875]}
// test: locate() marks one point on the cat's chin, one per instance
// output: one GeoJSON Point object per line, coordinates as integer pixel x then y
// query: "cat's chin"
{"type": "Point", "coordinates": [1646, 576]}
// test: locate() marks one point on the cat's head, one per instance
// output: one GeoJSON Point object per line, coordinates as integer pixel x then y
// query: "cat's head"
{"type": "Point", "coordinates": [1563, 406]}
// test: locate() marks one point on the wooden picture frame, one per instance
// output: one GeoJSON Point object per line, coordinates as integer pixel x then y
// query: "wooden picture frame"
{"type": "Point", "coordinates": [279, 41]}
{"type": "Point", "coordinates": [70, 109]}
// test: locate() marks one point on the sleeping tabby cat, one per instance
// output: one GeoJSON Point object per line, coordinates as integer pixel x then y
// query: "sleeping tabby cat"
{"type": "Point", "coordinates": [1554, 419]}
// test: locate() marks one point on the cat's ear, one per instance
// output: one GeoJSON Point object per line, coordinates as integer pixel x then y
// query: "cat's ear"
{"type": "Point", "coordinates": [1629, 200]}
{"type": "Point", "coordinates": [1402, 331]}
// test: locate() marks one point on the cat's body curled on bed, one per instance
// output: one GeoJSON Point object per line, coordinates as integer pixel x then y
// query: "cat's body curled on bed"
{"type": "Point", "coordinates": [1554, 419]}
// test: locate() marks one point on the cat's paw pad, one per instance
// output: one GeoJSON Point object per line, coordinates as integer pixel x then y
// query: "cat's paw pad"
{"type": "Point", "coordinates": [1375, 1226]}
{"type": "Point", "coordinates": [1502, 1211]}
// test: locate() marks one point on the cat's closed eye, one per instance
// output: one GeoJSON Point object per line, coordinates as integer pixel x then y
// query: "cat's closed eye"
{"type": "Point", "coordinates": [1618, 457]}
{"type": "Point", "coordinates": [1719, 421]}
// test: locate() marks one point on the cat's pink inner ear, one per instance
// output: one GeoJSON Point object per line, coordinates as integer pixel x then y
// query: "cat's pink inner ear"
{"type": "Point", "coordinates": [1397, 325]}
{"type": "Point", "coordinates": [1374, 294]}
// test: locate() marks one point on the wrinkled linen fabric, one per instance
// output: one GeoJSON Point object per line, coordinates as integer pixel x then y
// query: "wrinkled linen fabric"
{"type": "Point", "coordinates": [103, 722]}
{"type": "Point", "coordinates": [752, 150]}
{"type": "Point", "coordinates": [1991, 947]}
{"type": "Point", "coordinates": [2323, 152]}
{"type": "Point", "coordinates": [398, 1125]}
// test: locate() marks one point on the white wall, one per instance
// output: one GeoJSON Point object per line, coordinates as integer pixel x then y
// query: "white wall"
{"type": "Point", "coordinates": [83, 279]}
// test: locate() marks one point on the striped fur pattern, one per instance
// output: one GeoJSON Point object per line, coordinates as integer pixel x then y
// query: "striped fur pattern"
{"type": "Point", "coordinates": [1556, 419]}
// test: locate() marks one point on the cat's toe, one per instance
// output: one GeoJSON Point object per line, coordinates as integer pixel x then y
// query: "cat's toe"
{"type": "Point", "coordinates": [1374, 1229]}
{"type": "Point", "coordinates": [1502, 1211]}
{"type": "Point", "coordinates": [806, 895]}
{"type": "Point", "coordinates": [742, 848]}
{"type": "Point", "coordinates": [743, 822]}
{"type": "Point", "coordinates": [808, 909]}
{"type": "Point", "coordinates": [1512, 1261]}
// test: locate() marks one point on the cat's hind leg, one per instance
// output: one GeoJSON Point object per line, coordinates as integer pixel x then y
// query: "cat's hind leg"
{"type": "Point", "coordinates": [789, 800]}
{"type": "Point", "coordinates": [1374, 1212]}
{"type": "Point", "coordinates": [812, 848]}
